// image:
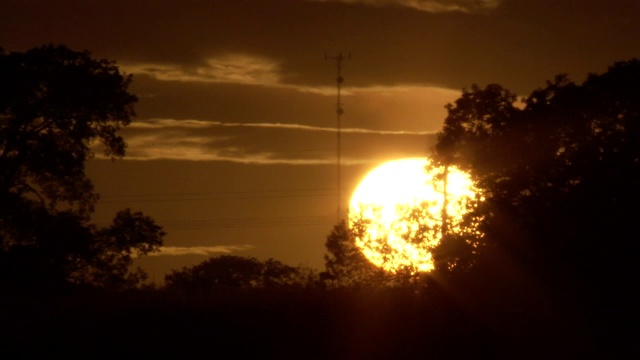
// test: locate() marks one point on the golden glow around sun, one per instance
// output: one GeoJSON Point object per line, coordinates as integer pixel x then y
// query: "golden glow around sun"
{"type": "Point", "coordinates": [397, 211]}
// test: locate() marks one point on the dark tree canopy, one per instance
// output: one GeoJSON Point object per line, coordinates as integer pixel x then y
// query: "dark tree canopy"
{"type": "Point", "coordinates": [236, 272]}
{"type": "Point", "coordinates": [347, 266]}
{"type": "Point", "coordinates": [561, 171]}
{"type": "Point", "coordinates": [55, 104]}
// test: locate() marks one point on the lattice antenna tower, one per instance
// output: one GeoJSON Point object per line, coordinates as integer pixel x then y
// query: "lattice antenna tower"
{"type": "Point", "coordinates": [339, 58]}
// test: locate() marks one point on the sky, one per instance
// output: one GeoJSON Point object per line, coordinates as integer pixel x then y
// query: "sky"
{"type": "Point", "coordinates": [233, 149]}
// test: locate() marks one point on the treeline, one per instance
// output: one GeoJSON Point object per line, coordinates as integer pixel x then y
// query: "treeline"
{"type": "Point", "coordinates": [343, 323]}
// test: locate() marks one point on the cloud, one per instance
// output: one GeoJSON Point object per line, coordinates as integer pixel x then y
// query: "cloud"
{"type": "Point", "coordinates": [169, 123]}
{"type": "Point", "coordinates": [199, 124]}
{"type": "Point", "coordinates": [191, 154]}
{"type": "Point", "coordinates": [255, 71]}
{"type": "Point", "coordinates": [199, 250]}
{"type": "Point", "coordinates": [433, 6]}
{"type": "Point", "coordinates": [234, 156]}
{"type": "Point", "coordinates": [227, 68]}
{"type": "Point", "coordinates": [160, 143]}
{"type": "Point", "coordinates": [261, 143]}
{"type": "Point", "coordinates": [380, 121]}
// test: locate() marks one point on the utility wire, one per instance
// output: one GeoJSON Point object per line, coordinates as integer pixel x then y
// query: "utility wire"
{"type": "Point", "coordinates": [201, 196]}
{"type": "Point", "coordinates": [231, 223]}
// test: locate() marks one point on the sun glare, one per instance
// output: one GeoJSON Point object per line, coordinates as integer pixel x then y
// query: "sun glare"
{"type": "Point", "coordinates": [398, 208]}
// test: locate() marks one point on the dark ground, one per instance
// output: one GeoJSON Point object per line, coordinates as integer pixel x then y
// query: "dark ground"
{"type": "Point", "coordinates": [300, 324]}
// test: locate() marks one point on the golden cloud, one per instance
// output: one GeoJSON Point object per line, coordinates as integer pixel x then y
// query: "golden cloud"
{"type": "Point", "coordinates": [199, 250]}
{"type": "Point", "coordinates": [228, 68]}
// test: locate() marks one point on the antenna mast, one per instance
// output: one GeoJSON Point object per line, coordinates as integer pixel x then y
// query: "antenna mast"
{"type": "Point", "coordinates": [339, 111]}
{"type": "Point", "coordinates": [445, 215]}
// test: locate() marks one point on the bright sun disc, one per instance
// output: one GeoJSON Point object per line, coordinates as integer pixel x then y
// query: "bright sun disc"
{"type": "Point", "coordinates": [397, 211]}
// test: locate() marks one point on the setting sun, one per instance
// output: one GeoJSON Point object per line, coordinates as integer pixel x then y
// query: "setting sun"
{"type": "Point", "coordinates": [397, 211]}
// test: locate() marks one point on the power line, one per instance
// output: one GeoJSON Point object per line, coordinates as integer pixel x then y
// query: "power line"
{"type": "Point", "coordinates": [202, 196]}
{"type": "Point", "coordinates": [231, 223]}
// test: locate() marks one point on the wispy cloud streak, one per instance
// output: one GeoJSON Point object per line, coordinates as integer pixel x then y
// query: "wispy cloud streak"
{"type": "Point", "coordinates": [247, 71]}
{"type": "Point", "coordinates": [229, 68]}
{"type": "Point", "coordinates": [172, 123]}
{"type": "Point", "coordinates": [261, 143]}
{"type": "Point", "coordinates": [246, 159]}
{"type": "Point", "coordinates": [433, 6]}
{"type": "Point", "coordinates": [200, 250]}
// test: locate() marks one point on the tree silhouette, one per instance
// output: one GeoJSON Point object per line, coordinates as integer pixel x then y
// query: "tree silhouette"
{"type": "Point", "coordinates": [347, 266]}
{"type": "Point", "coordinates": [560, 170]}
{"type": "Point", "coordinates": [56, 103]}
{"type": "Point", "coordinates": [132, 234]}
{"type": "Point", "coordinates": [237, 272]}
{"type": "Point", "coordinates": [225, 271]}
{"type": "Point", "coordinates": [276, 274]}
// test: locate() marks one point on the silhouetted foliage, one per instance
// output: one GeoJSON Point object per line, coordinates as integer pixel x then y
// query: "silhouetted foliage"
{"type": "Point", "coordinates": [453, 241]}
{"type": "Point", "coordinates": [131, 235]}
{"type": "Point", "coordinates": [345, 264]}
{"type": "Point", "coordinates": [561, 171]}
{"type": "Point", "coordinates": [401, 251]}
{"type": "Point", "coordinates": [55, 103]}
{"type": "Point", "coordinates": [237, 272]}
